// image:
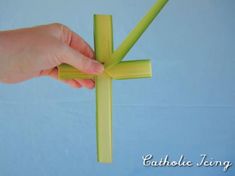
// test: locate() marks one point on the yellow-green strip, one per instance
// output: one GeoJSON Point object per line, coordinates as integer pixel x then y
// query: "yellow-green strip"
{"type": "Point", "coordinates": [131, 70]}
{"type": "Point", "coordinates": [103, 36]}
{"type": "Point", "coordinates": [135, 34]}
{"type": "Point", "coordinates": [66, 72]}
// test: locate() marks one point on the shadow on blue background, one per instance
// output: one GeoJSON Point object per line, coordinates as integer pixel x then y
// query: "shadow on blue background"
{"type": "Point", "coordinates": [188, 107]}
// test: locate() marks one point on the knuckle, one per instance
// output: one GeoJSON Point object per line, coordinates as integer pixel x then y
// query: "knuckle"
{"type": "Point", "coordinates": [60, 31]}
{"type": "Point", "coordinates": [64, 33]}
{"type": "Point", "coordinates": [57, 26]}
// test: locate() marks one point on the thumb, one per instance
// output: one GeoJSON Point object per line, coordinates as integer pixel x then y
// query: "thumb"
{"type": "Point", "coordinates": [81, 62]}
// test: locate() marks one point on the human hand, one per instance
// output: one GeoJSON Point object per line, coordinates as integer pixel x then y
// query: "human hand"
{"type": "Point", "coordinates": [37, 51]}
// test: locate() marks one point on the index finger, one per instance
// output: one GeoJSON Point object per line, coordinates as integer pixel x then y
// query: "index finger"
{"type": "Point", "coordinates": [75, 41]}
{"type": "Point", "coordinates": [78, 43]}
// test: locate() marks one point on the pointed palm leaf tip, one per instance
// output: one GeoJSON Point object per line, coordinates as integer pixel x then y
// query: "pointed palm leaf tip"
{"type": "Point", "coordinates": [115, 68]}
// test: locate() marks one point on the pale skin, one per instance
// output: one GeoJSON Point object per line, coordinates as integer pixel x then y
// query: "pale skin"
{"type": "Point", "coordinates": [33, 52]}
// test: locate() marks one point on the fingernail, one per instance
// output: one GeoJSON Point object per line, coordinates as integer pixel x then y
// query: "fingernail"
{"type": "Point", "coordinates": [91, 54]}
{"type": "Point", "coordinates": [90, 85]}
{"type": "Point", "coordinates": [98, 68]}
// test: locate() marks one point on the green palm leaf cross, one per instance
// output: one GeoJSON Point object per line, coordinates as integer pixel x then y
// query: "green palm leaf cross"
{"type": "Point", "coordinates": [115, 68]}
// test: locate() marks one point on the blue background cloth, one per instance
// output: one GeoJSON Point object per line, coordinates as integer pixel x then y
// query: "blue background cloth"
{"type": "Point", "coordinates": [188, 107]}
